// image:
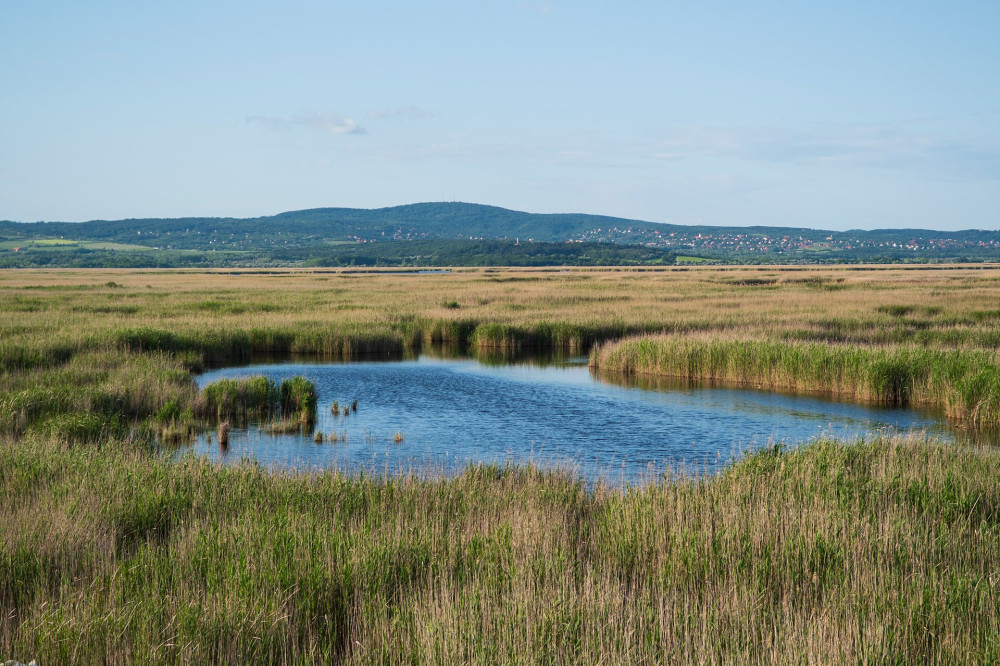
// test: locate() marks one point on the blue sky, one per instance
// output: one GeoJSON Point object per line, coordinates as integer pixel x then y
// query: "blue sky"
{"type": "Point", "coordinates": [834, 115]}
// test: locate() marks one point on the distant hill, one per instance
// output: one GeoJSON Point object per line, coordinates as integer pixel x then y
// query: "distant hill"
{"type": "Point", "coordinates": [410, 222]}
{"type": "Point", "coordinates": [333, 236]}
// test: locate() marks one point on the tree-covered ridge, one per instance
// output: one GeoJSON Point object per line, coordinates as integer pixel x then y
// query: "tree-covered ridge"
{"type": "Point", "coordinates": [410, 222]}
{"type": "Point", "coordinates": [457, 233]}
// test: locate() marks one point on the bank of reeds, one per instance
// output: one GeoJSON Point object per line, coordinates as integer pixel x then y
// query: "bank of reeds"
{"type": "Point", "coordinates": [883, 551]}
{"type": "Point", "coordinates": [260, 399]}
{"type": "Point", "coordinates": [966, 383]}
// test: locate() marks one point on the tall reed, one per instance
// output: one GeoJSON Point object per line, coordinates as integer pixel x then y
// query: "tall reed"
{"type": "Point", "coordinates": [883, 551]}
{"type": "Point", "coordinates": [965, 383]}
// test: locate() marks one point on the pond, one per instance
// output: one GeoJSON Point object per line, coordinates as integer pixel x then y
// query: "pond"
{"type": "Point", "coordinates": [434, 415]}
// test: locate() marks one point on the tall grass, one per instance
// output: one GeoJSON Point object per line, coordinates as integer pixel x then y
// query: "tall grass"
{"type": "Point", "coordinates": [258, 398]}
{"type": "Point", "coordinates": [965, 383]}
{"type": "Point", "coordinates": [884, 551]}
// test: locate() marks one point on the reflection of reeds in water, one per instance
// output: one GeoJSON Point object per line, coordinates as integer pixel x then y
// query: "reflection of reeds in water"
{"type": "Point", "coordinates": [286, 426]}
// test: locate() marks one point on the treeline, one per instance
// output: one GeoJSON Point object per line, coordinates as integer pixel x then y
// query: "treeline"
{"type": "Point", "coordinates": [481, 253]}
{"type": "Point", "coordinates": [85, 258]}
{"type": "Point", "coordinates": [394, 253]}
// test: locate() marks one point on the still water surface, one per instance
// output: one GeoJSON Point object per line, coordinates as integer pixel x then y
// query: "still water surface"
{"type": "Point", "coordinates": [453, 412]}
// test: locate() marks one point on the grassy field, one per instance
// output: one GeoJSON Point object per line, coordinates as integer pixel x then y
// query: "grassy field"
{"type": "Point", "coordinates": [883, 552]}
{"type": "Point", "coordinates": [61, 243]}
{"type": "Point", "coordinates": [684, 259]}
{"type": "Point", "coordinates": [873, 552]}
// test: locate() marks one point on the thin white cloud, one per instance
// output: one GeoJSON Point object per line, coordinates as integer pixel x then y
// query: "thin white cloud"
{"type": "Point", "coordinates": [318, 121]}
{"type": "Point", "coordinates": [398, 113]}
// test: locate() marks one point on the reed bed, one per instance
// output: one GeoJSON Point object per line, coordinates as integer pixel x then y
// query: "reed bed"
{"type": "Point", "coordinates": [885, 551]}
{"type": "Point", "coordinates": [966, 383]}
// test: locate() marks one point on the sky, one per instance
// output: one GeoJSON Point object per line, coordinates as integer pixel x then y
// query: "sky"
{"type": "Point", "coordinates": [833, 115]}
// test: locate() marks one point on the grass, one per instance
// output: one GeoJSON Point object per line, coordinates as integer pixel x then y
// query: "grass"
{"type": "Point", "coordinates": [883, 551]}
{"type": "Point", "coordinates": [684, 259]}
{"type": "Point", "coordinates": [60, 243]}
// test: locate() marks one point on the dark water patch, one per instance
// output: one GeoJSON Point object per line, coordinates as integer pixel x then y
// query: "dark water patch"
{"type": "Point", "coordinates": [432, 414]}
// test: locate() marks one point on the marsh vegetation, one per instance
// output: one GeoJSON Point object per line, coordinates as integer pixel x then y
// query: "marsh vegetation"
{"type": "Point", "coordinates": [876, 552]}
{"type": "Point", "coordinates": [879, 551]}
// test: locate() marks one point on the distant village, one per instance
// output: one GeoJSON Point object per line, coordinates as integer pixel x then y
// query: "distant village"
{"type": "Point", "coordinates": [755, 243]}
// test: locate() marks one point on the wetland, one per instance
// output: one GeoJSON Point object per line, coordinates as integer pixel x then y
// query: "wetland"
{"type": "Point", "coordinates": [867, 544]}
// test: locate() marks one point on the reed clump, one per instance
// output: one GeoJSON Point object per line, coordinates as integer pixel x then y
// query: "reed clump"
{"type": "Point", "coordinates": [243, 399]}
{"type": "Point", "coordinates": [259, 399]}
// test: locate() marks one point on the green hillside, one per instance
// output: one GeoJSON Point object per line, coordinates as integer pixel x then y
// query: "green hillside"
{"type": "Point", "coordinates": [341, 236]}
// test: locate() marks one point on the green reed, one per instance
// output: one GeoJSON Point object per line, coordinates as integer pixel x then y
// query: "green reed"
{"type": "Point", "coordinates": [883, 551]}
{"type": "Point", "coordinates": [966, 383]}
